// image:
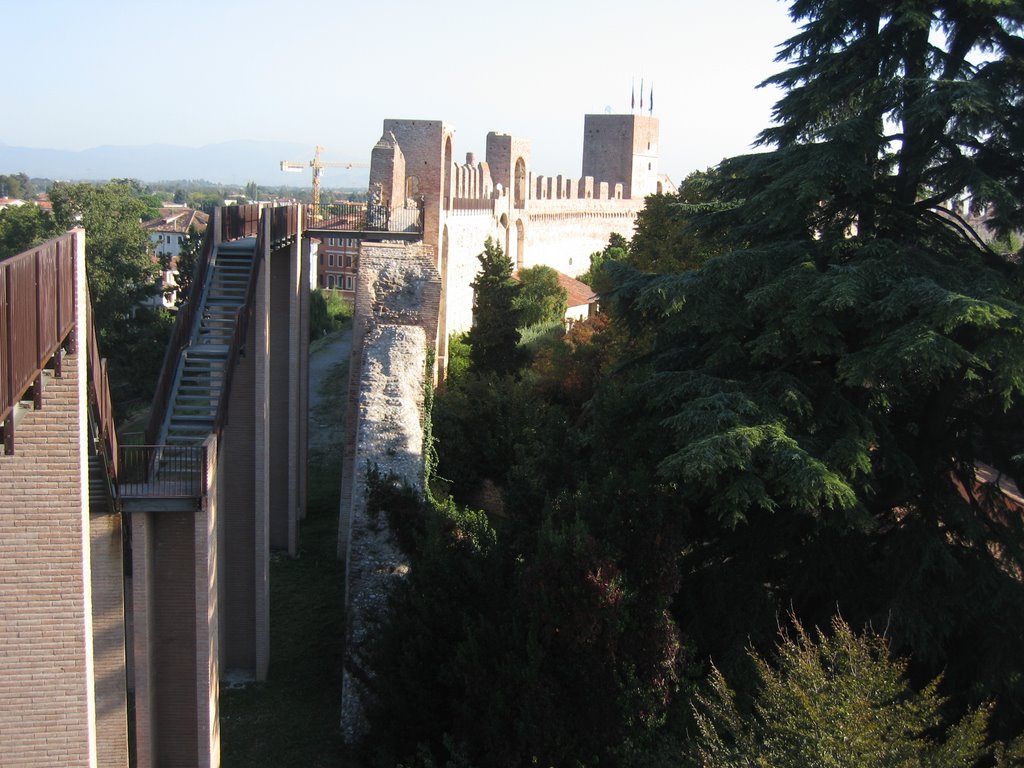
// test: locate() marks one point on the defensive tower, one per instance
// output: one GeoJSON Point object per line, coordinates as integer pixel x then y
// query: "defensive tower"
{"type": "Point", "coordinates": [622, 148]}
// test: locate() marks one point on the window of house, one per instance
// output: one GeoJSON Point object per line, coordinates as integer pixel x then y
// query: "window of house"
{"type": "Point", "coordinates": [348, 260]}
{"type": "Point", "coordinates": [330, 260]}
{"type": "Point", "coordinates": [330, 281]}
{"type": "Point", "coordinates": [350, 283]}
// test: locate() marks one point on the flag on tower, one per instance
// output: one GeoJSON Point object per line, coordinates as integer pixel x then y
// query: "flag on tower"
{"type": "Point", "coordinates": [650, 101]}
{"type": "Point", "coordinates": [641, 95]}
{"type": "Point", "coordinates": [632, 96]}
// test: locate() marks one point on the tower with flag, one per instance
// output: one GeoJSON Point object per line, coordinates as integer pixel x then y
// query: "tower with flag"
{"type": "Point", "coordinates": [632, 97]}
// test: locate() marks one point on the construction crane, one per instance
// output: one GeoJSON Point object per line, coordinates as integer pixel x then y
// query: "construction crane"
{"type": "Point", "coordinates": [318, 166]}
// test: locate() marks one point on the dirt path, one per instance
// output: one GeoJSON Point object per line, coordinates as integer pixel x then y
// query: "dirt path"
{"type": "Point", "coordinates": [328, 388]}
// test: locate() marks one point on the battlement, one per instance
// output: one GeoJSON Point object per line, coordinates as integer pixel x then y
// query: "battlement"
{"type": "Point", "coordinates": [415, 157]}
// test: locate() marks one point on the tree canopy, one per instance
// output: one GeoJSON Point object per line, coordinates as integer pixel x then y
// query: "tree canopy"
{"type": "Point", "coordinates": [495, 331]}
{"type": "Point", "coordinates": [541, 298]}
{"type": "Point", "coordinates": [830, 386]}
{"type": "Point", "coordinates": [122, 272]}
{"type": "Point", "coordinates": [806, 397]}
{"type": "Point", "coordinates": [23, 227]}
{"type": "Point", "coordinates": [833, 699]}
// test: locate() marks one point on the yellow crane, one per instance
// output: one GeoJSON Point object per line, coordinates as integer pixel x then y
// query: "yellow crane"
{"type": "Point", "coordinates": [318, 166]}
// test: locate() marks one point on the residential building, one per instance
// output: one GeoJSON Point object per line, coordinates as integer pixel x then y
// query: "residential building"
{"type": "Point", "coordinates": [337, 263]}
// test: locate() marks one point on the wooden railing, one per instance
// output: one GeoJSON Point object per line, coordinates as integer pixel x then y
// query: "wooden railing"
{"type": "Point", "coordinates": [99, 399]}
{"type": "Point", "coordinates": [284, 223]}
{"type": "Point", "coordinates": [37, 314]}
{"type": "Point", "coordinates": [239, 221]}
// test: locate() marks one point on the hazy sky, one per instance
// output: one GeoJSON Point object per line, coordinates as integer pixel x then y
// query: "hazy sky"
{"type": "Point", "coordinates": [83, 74]}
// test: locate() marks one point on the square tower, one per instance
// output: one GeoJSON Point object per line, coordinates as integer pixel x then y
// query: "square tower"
{"type": "Point", "coordinates": [622, 149]}
{"type": "Point", "coordinates": [508, 158]}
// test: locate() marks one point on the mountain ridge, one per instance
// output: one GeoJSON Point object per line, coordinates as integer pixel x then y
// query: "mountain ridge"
{"type": "Point", "coordinates": [228, 162]}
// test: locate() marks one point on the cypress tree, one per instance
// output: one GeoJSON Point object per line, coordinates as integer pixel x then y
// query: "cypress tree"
{"type": "Point", "coordinates": [494, 337]}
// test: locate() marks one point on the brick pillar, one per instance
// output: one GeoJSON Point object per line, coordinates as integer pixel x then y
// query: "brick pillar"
{"type": "Point", "coordinates": [261, 466]}
{"type": "Point", "coordinates": [107, 571]}
{"type": "Point", "coordinates": [47, 683]}
{"type": "Point", "coordinates": [142, 632]}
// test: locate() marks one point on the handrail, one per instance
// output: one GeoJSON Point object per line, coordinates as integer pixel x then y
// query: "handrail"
{"type": "Point", "coordinates": [37, 314]}
{"type": "Point", "coordinates": [283, 225]}
{"type": "Point", "coordinates": [162, 471]}
{"type": "Point", "coordinates": [364, 217]}
{"type": "Point", "coordinates": [233, 223]}
{"type": "Point", "coordinates": [238, 221]}
{"type": "Point", "coordinates": [99, 390]}
{"type": "Point", "coordinates": [241, 330]}
{"type": "Point", "coordinates": [181, 333]}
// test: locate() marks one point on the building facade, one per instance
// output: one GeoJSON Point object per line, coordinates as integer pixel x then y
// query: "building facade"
{"type": "Point", "coordinates": [337, 262]}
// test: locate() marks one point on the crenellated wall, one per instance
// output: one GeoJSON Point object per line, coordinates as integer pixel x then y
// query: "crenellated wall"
{"type": "Point", "coordinates": [556, 220]}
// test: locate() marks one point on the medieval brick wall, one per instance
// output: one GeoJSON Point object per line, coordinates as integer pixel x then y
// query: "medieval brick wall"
{"type": "Point", "coordinates": [47, 714]}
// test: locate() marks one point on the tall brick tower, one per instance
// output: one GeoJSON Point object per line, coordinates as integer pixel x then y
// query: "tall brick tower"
{"type": "Point", "coordinates": [622, 149]}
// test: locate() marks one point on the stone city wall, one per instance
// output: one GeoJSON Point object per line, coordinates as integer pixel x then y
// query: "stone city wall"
{"type": "Point", "coordinates": [394, 328]}
{"type": "Point", "coordinates": [557, 233]}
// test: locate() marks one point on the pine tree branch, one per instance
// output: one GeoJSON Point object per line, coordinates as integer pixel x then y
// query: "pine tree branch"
{"type": "Point", "coordinates": [959, 225]}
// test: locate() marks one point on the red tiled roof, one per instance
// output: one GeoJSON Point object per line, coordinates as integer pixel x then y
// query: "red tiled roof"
{"type": "Point", "coordinates": [578, 294]}
{"type": "Point", "coordinates": [178, 220]}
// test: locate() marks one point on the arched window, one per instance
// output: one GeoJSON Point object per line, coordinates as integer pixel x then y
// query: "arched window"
{"type": "Point", "coordinates": [519, 184]}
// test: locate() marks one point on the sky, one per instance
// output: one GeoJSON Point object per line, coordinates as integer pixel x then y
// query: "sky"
{"type": "Point", "coordinates": [108, 72]}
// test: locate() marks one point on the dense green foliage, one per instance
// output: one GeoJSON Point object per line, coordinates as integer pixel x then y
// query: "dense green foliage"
{"type": "Point", "coordinates": [806, 360]}
{"type": "Point", "coordinates": [828, 387]}
{"type": "Point", "coordinates": [665, 240]}
{"type": "Point", "coordinates": [328, 312]}
{"type": "Point", "coordinates": [541, 298]}
{"type": "Point", "coordinates": [834, 700]}
{"type": "Point", "coordinates": [189, 254]}
{"type": "Point", "coordinates": [122, 272]}
{"type": "Point", "coordinates": [17, 186]}
{"type": "Point", "coordinates": [495, 332]}
{"type": "Point", "coordinates": [595, 276]}
{"type": "Point", "coordinates": [23, 227]}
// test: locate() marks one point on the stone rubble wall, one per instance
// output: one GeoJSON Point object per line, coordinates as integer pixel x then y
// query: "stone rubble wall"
{"type": "Point", "coordinates": [394, 328]}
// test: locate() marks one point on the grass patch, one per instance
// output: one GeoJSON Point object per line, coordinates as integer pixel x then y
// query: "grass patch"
{"type": "Point", "coordinates": [322, 341]}
{"type": "Point", "coordinates": [292, 719]}
{"type": "Point", "coordinates": [330, 411]}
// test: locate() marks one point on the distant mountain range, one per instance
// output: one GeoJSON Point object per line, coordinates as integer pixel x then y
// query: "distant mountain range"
{"type": "Point", "coordinates": [230, 162]}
